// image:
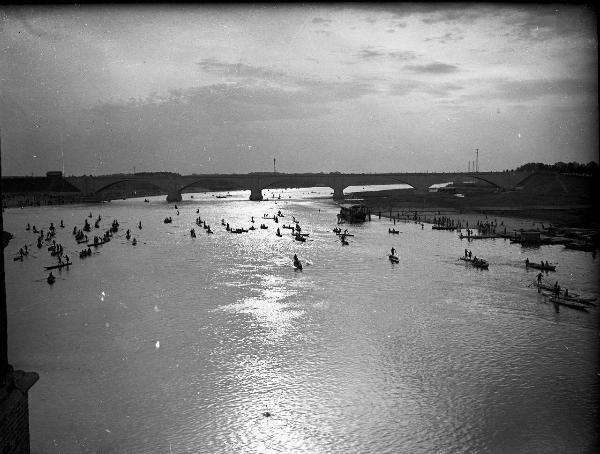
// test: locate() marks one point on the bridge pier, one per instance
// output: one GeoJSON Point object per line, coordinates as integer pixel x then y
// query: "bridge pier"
{"type": "Point", "coordinates": [174, 196]}
{"type": "Point", "coordinates": [338, 193]}
{"type": "Point", "coordinates": [256, 194]}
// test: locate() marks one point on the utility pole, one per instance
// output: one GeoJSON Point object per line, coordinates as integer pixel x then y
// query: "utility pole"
{"type": "Point", "coordinates": [477, 160]}
{"type": "Point", "coordinates": [274, 171]}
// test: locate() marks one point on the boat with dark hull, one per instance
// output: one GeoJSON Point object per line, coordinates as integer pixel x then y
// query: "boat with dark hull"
{"type": "Point", "coordinates": [352, 214]}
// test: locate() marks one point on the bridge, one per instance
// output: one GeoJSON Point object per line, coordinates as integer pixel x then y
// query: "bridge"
{"type": "Point", "coordinates": [173, 184]}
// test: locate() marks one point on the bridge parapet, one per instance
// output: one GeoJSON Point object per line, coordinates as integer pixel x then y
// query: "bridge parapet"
{"type": "Point", "coordinates": [173, 184]}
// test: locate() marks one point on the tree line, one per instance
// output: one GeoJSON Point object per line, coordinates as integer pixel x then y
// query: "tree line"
{"type": "Point", "coordinates": [591, 168]}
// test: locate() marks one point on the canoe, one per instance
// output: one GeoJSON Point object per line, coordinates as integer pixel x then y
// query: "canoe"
{"type": "Point", "coordinates": [393, 258]}
{"type": "Point", "coordinates": [572, 298]}
{"type": "Point", "coordinates": [570, 304]}
{"type": "Point", "coordinates": [57, 266]}
{"type": "Point", "coordinates": [540, 267]}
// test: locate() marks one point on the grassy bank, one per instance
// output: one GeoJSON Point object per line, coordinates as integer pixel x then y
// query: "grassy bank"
{"type": "Point", "coordinates": [567, 211]}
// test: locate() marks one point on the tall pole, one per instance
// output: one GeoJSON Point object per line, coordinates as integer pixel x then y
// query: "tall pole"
{"type": "Point", "coordinates": [274, 171]}
{"type": "Point", "coordinates": [4, 366]}
{"type": "Point", "coordinates": [477, 160]}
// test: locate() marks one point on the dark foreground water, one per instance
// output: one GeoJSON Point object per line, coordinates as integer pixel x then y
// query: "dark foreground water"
{"type": "Point", "coordinates": [180, 344]}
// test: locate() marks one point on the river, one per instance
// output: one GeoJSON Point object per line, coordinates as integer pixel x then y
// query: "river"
{"type": "Point", "coordinates": [182, 345]}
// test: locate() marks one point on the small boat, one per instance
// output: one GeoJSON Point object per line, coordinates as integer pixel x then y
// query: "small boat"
{"type": "Point", "coordinates": [18, 258]}
{"type": "Point", "coordinates": [580, 246]}
{"type": "Point", "coordinates": [298, 265]}
{"type": "Point", "coordinates": [479, 263]}
{"type": "Point", "coordinates": [252, 228]}
{"type": "Point", "coordinates": [146, 201]}
{"type": "Point", "coordinates": [540, 266]}
{"type": "Point", "coordinates": [300, 238]}
{"type": "Point", "coordinates": [344, 234]}
{"type": "Point", "coordinates": [262, 226]}
{"type": "Point", "coordinates": [344, 242]}
{"type": "Point", "coordinates": [337, 230]}
{"type": "Point", "coordinates": [393, 258]}
{"type": "Point", "coordinates": [85, 240]}
{"type": "Point", "coordinates": [52, 267]}
{"type": "Point", "coordinates": [134, 242]}
{"type": "Point", "coordinates": [393, 231]}
{"type": "Point", "coordinates": [442, 227]}
{"type": "Point", "coordinates": [476, 237]}
{"type": "Point", "coordinates": [573, 298]}
{"type": "Point", "coordinates": [572, 305]}
{"type": "Point", "coordinates": [168, 220]}
{"type": "Point", "coordinates": [50, 279]}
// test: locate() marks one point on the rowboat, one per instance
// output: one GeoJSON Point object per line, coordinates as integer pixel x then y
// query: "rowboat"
{"type": "Point", "coordinates": [572, 305]}
{"type": "Point", "coordinates": [99, 243]}
{"type": "Point", "coordinates": [540, 266]}
{"type": "Point", "coordinates": [571, 298]}
{"type": "Point", "coordinates": [480, 263]}
{"type": "Point", "coordinates": [299, 238]}
{"type": "Point", "coordinates": [52, 267]}
{"type": "Point", "coordinates": [344, 234]}
{"type": "Point", "coordinates": [476, 237]}
{"type": "Point", "coordinates": [393, 231]}
{"type": "Point", "coordinates": [442, 227]}
{"type": "Point", "coordinates": [393, 258]}
{"type": "Point", "coordinates": [50, 279]}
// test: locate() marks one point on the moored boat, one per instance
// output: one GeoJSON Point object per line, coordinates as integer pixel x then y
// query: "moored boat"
{"type": "Point", "coordinates": [540, 266]}
{"type": "Point", "coordinates": [52, 267]}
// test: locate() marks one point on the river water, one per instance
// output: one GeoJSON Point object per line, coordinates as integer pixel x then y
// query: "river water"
{"type": "Point", "coordinates": [181, 344]}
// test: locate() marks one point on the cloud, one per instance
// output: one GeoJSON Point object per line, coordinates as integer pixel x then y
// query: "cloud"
{"type": "Point", "coordinates": [545, 22]}
{"type": "Point", "coordinates": [370, 53]}
{"type": "Point", "coordinates": [527, 90]}
{"type": "Point", "coordinates": [448, 37]}
{"type": "Point", "coordinates": [238, 70]}
{"type": "Point", "coordinates": [433, 68]}
{"type": "Point", "coordinates": [320, 20]}
{"type": "Point", "coordinates": [438, 90]}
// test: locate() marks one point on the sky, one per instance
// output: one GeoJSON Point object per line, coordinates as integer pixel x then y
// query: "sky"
{"type": "Point", "coordinates": [226, 88]}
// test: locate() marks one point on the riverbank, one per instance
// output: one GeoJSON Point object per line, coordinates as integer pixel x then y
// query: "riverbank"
{"type": "Point", "coordinates": [573, 217]}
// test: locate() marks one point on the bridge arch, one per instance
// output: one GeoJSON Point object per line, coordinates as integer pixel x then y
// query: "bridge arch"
{"type": "Point", "coordinates": [128, 180]}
